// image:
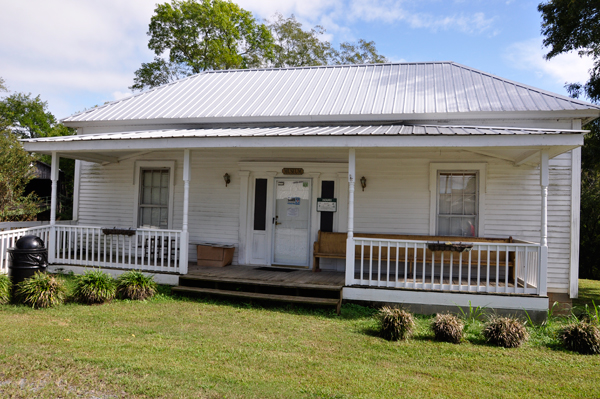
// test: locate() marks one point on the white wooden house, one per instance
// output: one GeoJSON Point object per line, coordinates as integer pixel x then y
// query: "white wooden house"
{"type": "Point", "coordinates": [445, 150]}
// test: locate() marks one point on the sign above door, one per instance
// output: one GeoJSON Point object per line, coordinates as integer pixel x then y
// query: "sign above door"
{"type": "Point", "coordinates": [292, 171]}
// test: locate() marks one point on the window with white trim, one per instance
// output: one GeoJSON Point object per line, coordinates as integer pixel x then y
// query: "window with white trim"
{"type": "Point", "coordinates": [457, 203]}
{"type": "Point", "coordinates": [153, 208]}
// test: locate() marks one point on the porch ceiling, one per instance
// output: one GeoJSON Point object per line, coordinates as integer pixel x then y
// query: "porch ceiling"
{"type": "Point", "coordinates": [517, 145]}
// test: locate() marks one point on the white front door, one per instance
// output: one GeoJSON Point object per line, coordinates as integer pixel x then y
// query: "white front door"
{"type": "Point", "coordinates": [291, 223]}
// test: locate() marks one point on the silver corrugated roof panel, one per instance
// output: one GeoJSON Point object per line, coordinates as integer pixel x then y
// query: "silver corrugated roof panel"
{"type": "Point", "coordinates": [374, 130]}
{"type": "Point", "coordinates": [344, 90]}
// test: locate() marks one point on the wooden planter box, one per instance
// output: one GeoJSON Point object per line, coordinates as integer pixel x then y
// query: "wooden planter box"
{"type": "Point", "coordinates": [214, 254]}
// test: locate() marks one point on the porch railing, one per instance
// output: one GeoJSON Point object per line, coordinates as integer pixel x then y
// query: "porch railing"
{"type": "Point", "coordinates": [143, 249]}
{"type": "Point", "coordinates": [486, 267]}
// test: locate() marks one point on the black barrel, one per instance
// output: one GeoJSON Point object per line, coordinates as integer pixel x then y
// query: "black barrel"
{"type": "Point", "coordinates": [27, 257]}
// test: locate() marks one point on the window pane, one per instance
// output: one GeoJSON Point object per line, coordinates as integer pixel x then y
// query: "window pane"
{"type": "Point", "coordinates": [444, 226]}
{"type": "Point", "coordinates": [470, 204]}
{"type": "Point", "coordinates": [457, 204]}
{"type": "Point", "coordinates": [147, 197]}
{"type": "Point", "coordinates": [146, 217]}
{"type": "Point", "coordinates": [444, 184]}
{"type": "Point", "coordinates": [445, 204]}
{"type": "Point", "coordinates": [156, 179]}
{"type": "Point", "coordinates": [469, 227]}
{"type": "Point", "coordinates": [155, 216]}
{"type": "Point", "coordinates": [164, 196]}
{"type": "Point", "coordinates": [163, 218]}
{"type": "Point", "coordinates": [164, 180]}
{"type": "Point", "coordinates": [470, 184]}
{"type": "Point", "coordinates": [456, 227]}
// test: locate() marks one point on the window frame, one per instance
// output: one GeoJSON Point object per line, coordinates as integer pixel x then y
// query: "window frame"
{"type": "Point", "coordinates": [150, 165]}
{"type": "Point", "coordinates": [480, 169]}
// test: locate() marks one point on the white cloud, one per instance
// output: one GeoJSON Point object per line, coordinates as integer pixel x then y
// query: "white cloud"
{"type": "Point", "coordinates": [529, 55]}
{"type": "Point", "coordinates": [390, 11]}
{"type": "Point", "coordinates": [68, 45]}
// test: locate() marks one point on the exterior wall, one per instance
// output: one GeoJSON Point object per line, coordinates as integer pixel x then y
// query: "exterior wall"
{"type": "Point", "coordinates": [396, 199]}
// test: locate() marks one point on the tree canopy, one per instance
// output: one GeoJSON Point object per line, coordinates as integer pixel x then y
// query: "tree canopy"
{"type": "Point", "coordinates": [25, 116]}
{"type": "Point", "coordinates": [199, 35]}
{"type": "Point", "coordinates": [28, 117]}
{"type": "Point", "coordinates": [190, 36]}
{"type": "Point", "coordinates": [569, 25]}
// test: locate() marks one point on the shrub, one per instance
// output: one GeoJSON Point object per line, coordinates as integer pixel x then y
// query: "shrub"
{"type": "Point", "coordinates": [581, 337]}
{"type": "Point", "coordinates": [396, 324]}
{"type": "Point", "coordinates": [41, 290]}
{"type": "Point", "coordinates": [94, 287]}
{"type": "Point", "coordinates": [447, 328]}
{"type": "Point", "coordinates": [5, 286]}
{"type": "Point", "coordinates": [505, 331]}
{"type": "Point", "coordinates": [135, 285]}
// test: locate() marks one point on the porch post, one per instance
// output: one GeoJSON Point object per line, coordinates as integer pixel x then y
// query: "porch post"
{"type": "Point", "coordinates": [51, 244]}
{"type": "Point", "coordinates": [185, 237]}
{"type": "Point", "coordinates": [544, 181]}
{"type": "Point", "coordinates": [350, 240]}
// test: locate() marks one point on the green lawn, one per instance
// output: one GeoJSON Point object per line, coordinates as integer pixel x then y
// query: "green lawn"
{"type": "Point", "coordinates": [173, 347]}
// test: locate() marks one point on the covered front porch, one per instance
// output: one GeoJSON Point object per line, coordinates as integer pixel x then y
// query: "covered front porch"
{"type": "Point", "coordinates": [405, 168]}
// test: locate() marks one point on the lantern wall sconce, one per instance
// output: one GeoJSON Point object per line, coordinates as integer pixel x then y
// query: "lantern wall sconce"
{"type": "Point", "coordinates": [227, 179]}
{"type": "Point", "coordinates": [363, 182]}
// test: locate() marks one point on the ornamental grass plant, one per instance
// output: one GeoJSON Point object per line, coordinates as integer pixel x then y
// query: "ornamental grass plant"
{"type": "Point", "coordinates": [135, 285]}
{"type": "Point", "coordinates": [395, 323]}
{"type": "Point", "coordinates": [447, 328]}
{"type": "Point", "coordinates": [5, 286]}
{"type": "Point", "coordinates": [94, 287]}
{"type": "Point", "coordinates": [582, 337]}
{"type": "Point", "coordinates": [506, 332]}
{"type": "Point", "coordinates": [41, 290]}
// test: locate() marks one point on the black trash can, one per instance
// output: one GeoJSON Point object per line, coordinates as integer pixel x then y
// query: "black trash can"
{"type": "Point", "coordinates": [27, 257]}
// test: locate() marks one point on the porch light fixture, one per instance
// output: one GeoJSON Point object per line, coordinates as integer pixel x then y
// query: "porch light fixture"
{"type": "Point", "coordinates": [363, 182]}
{"type": "Point", "coordinates": [227, 179]}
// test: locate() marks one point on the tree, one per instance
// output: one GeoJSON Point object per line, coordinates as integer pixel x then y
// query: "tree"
{"type": "Point", "coordinates": [199, 35]}
{"type": "Point", "coordinates": [294, 47]}
{"type": "Point", "coordinates": [15, 172]}
{"type": "Point", "coordinates": [569, 25]}
{"type": "Point", "coordinates": [363, 52]}
{"type": "Point", "coordinates": [26, 116]}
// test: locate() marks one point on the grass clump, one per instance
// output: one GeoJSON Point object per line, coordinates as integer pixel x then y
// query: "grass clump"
{"type": "Point", "coordinates": [135, 285]}
{"type": "Point", "coordinates": [581, 337]}
{"type": "Point", "coordinates": [94, 287]}
{"type": "Point", "coordinates": [447, 328]}
{"type": "Point", "coordinates": [395, 323]}
{"type": "Point", "coordinates": [5, 286]}
{"type": "Point", "coordinates": [41, 291]}
{"type": "Point", "coordinates": [506, 332]}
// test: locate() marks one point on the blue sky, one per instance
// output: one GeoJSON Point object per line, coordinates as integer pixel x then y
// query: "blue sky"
{"type": "Point", "coordinates": [79, 53]}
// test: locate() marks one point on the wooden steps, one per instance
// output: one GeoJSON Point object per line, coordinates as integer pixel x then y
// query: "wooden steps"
{"type": "Point", "coordinates": [277, 291]}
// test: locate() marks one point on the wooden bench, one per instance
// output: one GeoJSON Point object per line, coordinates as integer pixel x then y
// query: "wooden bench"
{"type": "Point", "coordinates": [333, 246]}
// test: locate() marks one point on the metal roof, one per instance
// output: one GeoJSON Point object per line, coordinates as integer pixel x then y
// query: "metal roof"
{"type": "Point", "coordinates": [399, 89]}
{"type": "Point", "coordinates": [377, 130]}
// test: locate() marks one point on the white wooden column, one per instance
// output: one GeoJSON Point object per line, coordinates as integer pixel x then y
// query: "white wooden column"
{"type": "Point", "coordinates": [350, 240]}
{"type": "Point", "coordinates": [51, 244]}
{"type": "Point", "coordinates": [185, 235]}
{"type": "Point", "coordinates": [544, 182]}
{"type": "Point", "coordinates": [243, 234]}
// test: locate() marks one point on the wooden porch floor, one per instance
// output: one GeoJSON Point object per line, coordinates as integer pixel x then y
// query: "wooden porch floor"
{"type": "Point", "coordinates": [251, 273]}
{"type": "Point", "coordinates": [301, 276]}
